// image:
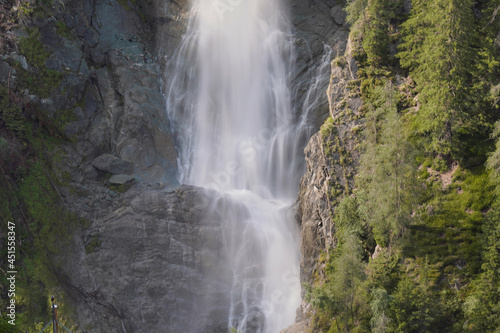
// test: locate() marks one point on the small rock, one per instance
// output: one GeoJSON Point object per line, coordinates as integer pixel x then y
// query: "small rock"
{"type": "Point", "coordinates": [20, 59]}
{"type": "Point", "coordinates": [5, 71]}
{"type": "Point", "coordinates": [113, 164]}
{"type": "Point", "coordinates": [121, 180]}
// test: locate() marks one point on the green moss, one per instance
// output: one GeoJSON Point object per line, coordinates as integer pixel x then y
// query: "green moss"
{"type": "Point", "coordinates": [340, 62]}
{"type": "Point", "coordinates": [120, 188]}
{"type": "Point", "coordinates": [11, 113]}
{"type": "Point", "coordinates": [450, 233]}
{"type": "Point", "coordinates": [127, 4]}
{"type": "Point", "coordinates": [66, 176]}
{"type": "Point", "coordinates": [93, 245]}
{"type": "Point", "coordinates": [133, 4]}
{"type": "Point", "coordinates": [427, 163]}
{"type": "Point", "coordinates": [40, 80]}
{"type": "Point", "coordinates": [63, 117]}
{"type": "Point", "coordinates": [423, 174]}
{"type": "Point", "coordinates": [43, 228]}
{"type": "Point", "coordinates": [33, 49]}
{"type": "Point", "coordinates": [440, 165]}
{"type": "Point", "coordinates": [327, 128]}
{"type": "Point", "coordinates": [63, 30]}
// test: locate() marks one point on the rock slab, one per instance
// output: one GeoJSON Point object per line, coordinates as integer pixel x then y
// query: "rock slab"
{"type": "Point", "coordinates": [113, 164]}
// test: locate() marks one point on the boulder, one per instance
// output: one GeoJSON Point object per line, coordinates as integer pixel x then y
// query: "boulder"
{"type": "Point", "coordinates": [113, 164]}
{"type": "Point", "coordinates": [338, 14]}
{"type": "Point", "coordinates": [121, 179]}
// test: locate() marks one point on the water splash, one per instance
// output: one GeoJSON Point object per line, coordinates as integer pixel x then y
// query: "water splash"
{"type": "Point", "coordinates": [230, 104]}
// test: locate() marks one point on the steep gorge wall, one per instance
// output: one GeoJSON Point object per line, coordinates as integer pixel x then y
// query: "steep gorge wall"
{"type": "Point", "coordinates": [332, 156]}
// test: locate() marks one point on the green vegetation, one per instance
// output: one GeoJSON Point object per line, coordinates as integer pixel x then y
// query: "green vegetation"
{"type": "Point", "coordinates": [41, 80]}
{"type": "Point", "coordinates": [29, 190]}
{"type": "Point", "coordinates": [127, 4]}
{"type": "Point", "coordinates": [63, 30]}
{"type": "Point", "coordinates": [12, 114]}
{"type": "Point", "coordinates": [418, 237]}
{"type": "Point", "coordinates": [29, 197]}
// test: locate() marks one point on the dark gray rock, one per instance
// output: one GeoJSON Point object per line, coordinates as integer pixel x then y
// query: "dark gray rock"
{"type": "Point", "coordinates": [113, 164]}
{"type": "Point", "coordinates": [153, 263]}
{"type": "Point", "coordinates": [319, 38]}
{"type": "Point", "coordinates": [122, 103]}
{"type": "Point", "coordinates": [170, 18]}
{"type": "Point", "coordinates": [7, 74]}
{"type": "Point", "coordinates": [315, 204]}
{"type": "Point", "coordinates": [121, 180]}
{"type": "Point", "coordinates": [5, 70]}
{"type": "Point", "coordinates": [338, 14]}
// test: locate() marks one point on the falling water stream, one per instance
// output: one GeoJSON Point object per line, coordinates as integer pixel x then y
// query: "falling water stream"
{"type": "Point", "coordinates": [230, 103]}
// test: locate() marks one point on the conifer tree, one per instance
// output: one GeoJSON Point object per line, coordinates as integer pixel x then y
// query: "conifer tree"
{"type": "Point", "coordinates": [387, 171]}
{"type": "Point", "coordinates": [376, 32]}
{"type": "Point", "coordinates": [482, 306]}
{"type": "Point", "coordinates": [340, 295]}
{"type": "Point", "coordinates": [437, 51]}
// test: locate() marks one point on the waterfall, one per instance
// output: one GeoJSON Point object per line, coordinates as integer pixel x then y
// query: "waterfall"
{"type": "Point", "coordinates": [229, 100]}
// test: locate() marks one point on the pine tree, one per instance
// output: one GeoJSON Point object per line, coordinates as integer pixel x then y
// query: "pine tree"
{"type": "Point", "coordinates": [387, 171]}
{"type": "Point", "coordinates": [413, 308]}
{"type": "Point", "coordinates": [437, 51]}
{"type": "Point", "coordinates": [340, 296]}
{"type": "Point", "coordinates": [482, 306]}
{"type": "Point", "coordinates": [376, 32]}
{"type": "Point", "coordinates": [380, 307]}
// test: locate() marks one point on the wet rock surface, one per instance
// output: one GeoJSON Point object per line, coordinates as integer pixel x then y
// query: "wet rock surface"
{"type": "Point", "coordinates": [317, 33]}
{"type": "Point", "coordinates": [150, 262]}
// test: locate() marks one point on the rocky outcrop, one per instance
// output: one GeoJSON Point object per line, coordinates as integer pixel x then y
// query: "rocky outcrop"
{"type": "Point", "coordinates": [113, 164]}
{"type": "Point", "coordinates": [332, 157]}
{"type": "Point", "coordinates": [169, 19]}
{"type": "Point", "coordinates": [314, 209]}
{"type": "Point", "coordinates": [152, 261]}
{"type": "Point", "coordinates": [121, 179]}
{"type": "Point", "coordinates": [108, 98]}
{"type": "Point", "coordinates": [321, 34]}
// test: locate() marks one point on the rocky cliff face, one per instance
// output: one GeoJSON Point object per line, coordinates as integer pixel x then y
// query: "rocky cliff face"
{"type": "Point", "coordinates": [153, 262]}
{"type": "Point", "coordinates": [330, 171]}
{"type": "Point", "coordinates": [319, 28]}
{"type": "Point", "coordinates": [110, 84]}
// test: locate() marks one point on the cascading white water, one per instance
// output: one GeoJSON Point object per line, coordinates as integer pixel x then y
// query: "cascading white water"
{"type": "Point", "coordinates": [229, 102]}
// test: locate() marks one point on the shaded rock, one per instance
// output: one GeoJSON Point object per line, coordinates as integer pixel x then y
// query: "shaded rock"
{"type": "Point", "coordinates": [5, 72]}
{"type": "Point", "coordinates": [113, 164]}
{"type": "Point", "coordinates": [313, 211]}
{"type": "Point", "coordinates": [338, 14]}
{"type": "Point", "coordinates": [170, 20]}
{"type": "Point", "coordinates": [118, 107]}
{"type": "Point", "coordinates": [319, 38]}
{"type": "Point", "coordinates": [121, 179]}
{"type": "Point", "coordinates": [316, 204]}
{"type": "Point", "coordinates": [159, 259]}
